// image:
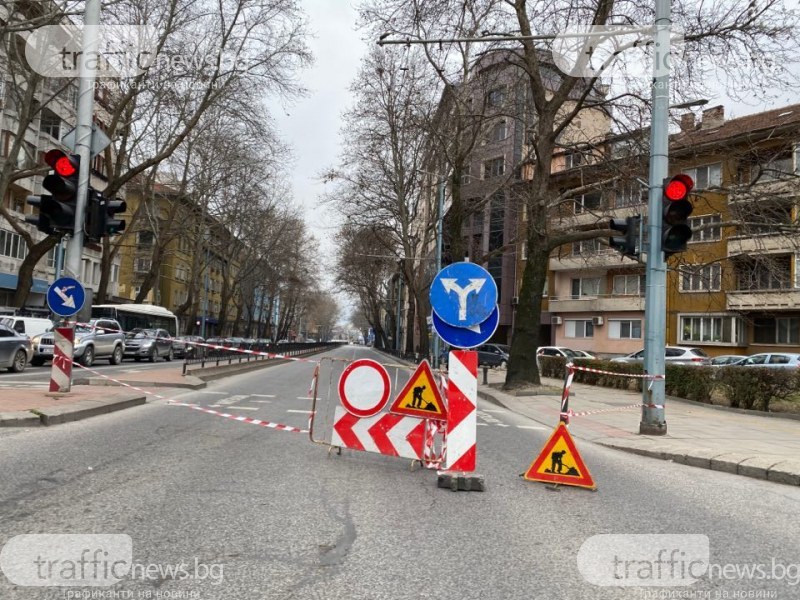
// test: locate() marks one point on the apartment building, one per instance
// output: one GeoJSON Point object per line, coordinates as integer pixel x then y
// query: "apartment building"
{"type": "Point", "coordinates": [736, 290]}
{"type": "Point", "coordinates": [190, 246]}
{"type": "Point", "coordinates": [56, 101]}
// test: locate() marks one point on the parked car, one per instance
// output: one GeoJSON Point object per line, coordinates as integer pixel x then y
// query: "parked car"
{"type": "Point", "coordinates": [727, 360]}
{"type": "Point", "coordinates": [559, 351]}
{"type": "Point", "coordinates": [773, 360]}
{"type": "Point", "coordinates": [185, 346]}
{"type": "Point", "coordinates": [149, 344]}
{"type": "Point", "coordinates": [99, 338]}
{"type": "Point", "coordinates": [584, 354]}
{"type": "Point", "coordinates": [15, 350]}
{"type": "Point", "coordinates": [674, 355]}
{"type": "Point", "coordinates": [493, 355]}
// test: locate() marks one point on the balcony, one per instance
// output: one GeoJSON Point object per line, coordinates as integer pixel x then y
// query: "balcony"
{"type": "Point", "coordinates": [607, 259]}
{"type": "Point", "coordinates": [785, 188]}
{"type": "Point", "coordinates": [786, 299]}
{"type": "Point", "coordinates": [596, 304]}
{"type": "Point", "coordinates": [759, 244]}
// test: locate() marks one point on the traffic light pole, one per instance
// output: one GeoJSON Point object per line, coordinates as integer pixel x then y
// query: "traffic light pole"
{"type": "Point", "coordinates": [653, 421]}
{"type": "Point", "coordinates": [83, 131]}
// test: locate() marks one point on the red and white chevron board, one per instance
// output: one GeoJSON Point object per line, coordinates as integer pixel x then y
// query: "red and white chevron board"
{"type": "Point", "coordinates": [61, 371]}
{"type": "Point", "coordinates": [385, 433]}
{"type": "Point", "coordinates": [462, 411]}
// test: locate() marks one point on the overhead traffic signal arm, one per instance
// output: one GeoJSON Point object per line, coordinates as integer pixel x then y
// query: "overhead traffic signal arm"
{"type": "Point", "coordinates": [676, 208]}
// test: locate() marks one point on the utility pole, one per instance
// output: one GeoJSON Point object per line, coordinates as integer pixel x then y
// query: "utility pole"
{"type": "Point", "coordinates": [655, 304]}
{"type": "Point", "coordinates": [439, 241]}
{"type": "Point", "coordinates": [83, 130]}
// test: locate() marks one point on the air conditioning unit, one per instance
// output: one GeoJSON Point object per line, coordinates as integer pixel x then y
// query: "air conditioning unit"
{"type": "Point", "coordinates": [556, 320]}
{"type": "Point", "coordinates": [597, 320]}
{"type": "Point", "coordinates": [514, 300]}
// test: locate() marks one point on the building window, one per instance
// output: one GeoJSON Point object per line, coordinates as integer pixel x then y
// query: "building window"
{"type": "Point", "coordinates": [499, 132]}
{"type": "Point", "coordinates": [12, 245]}
{"type": "Point", "coordinates": [578, 329]}
{"type": "Point", "coordinates": [628, 285]}
{"type": "Point", "coordinates": [573, 159]}
{"type": "Point", "coordinates": [705, 228]}
{"type": "Point", "coordinates": [145, 238]}
{"type": "Point", "coordinates": [764, 273]}
{"type": "Point", "coordinates": [701, 279]}
{"type": "Point", "coordinates": [583, 287]}
{"type": "Point", "coordinates": [712, 329]}
{"type": "Point", "coordinates": [496, 97]}
{"type": "Point", "coordinates": [588, 202]}
{"type": "Point", "coordinates": [625, 329]}
{"type": "Point", "coordinates": [630, 194]}
{"type": "Point", "coordinates": [142, 265]}
{"type": "Point", "coordinates": [776, 330]}
{"type": "Point", "coordinates": [706, 176]}
{"type": "Point", "coordinates": [494, 167]}
{"type": "Point", "coordinates": [586, 247]}
{"type": "Point", "coordinates": [50, 124]}
{"type": "Point", "coordinates": [114, 273]}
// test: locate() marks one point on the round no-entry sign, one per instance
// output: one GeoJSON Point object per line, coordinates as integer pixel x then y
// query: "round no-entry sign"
{"type": "Point", "coordinates": [364, 388]}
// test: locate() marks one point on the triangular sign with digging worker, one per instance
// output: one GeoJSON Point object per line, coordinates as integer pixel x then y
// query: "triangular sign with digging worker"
{"type": "Point", "coordinates": [560, 462]}
{"type": "Point", "coordinates": [420, 397]}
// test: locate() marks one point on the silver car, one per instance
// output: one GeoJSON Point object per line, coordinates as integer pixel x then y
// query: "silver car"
{"type": "Point", "coordinates": [773, 360]}
{"type": "Point", "coordinates": [15, 350]}
{"type": "Point", "coordinates": [674, 355]}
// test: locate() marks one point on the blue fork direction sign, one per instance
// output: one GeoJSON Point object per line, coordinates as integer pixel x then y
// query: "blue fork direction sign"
{"type": "Point", "coordinates": [467, 337]}
{"type": "Point", "coordinates": [463, 294]}
{"type": "Point", "coordinates": [66, 296]}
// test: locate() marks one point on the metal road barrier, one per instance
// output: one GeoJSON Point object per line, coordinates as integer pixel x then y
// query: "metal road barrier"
{"type": "Point", "coordinates": [211, 354]}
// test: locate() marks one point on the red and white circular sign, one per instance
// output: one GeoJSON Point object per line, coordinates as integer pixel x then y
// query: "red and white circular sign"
{"type": "Point", "coordinates": [364, 387]}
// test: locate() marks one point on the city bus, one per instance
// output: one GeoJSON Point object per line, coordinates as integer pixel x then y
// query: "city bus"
{"type": "Point", "coordinates": [143, 316]}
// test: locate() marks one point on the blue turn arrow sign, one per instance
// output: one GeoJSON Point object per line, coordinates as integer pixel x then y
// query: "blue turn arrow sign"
{"type": "Point", "coordinates": [463, 294]}
{"type": "Point", "coordinates": [66, 296]}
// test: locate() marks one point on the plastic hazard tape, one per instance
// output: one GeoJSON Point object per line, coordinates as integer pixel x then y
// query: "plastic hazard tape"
{"type": "Point", "coordinates": [117, 381]}
{"type": "Point", "coordinates": [583, 413]}
{"type": "Point", "coordinates": [634, 375]}
{"type": "Point", "coordinates": [239, 418]}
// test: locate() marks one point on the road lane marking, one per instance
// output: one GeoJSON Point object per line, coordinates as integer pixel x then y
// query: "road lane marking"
{"type": "Point", "coordinates": [534, 427]}
{"type": "Point", "coordinates": [304, 398]}
{"type": "Point", "coordinates": [228, 401]}
{"type": "Point", "coordinates": [263, 395]}
{"type": "Point", "coordinates": [207, 392]}
{"type": "Point", "coordinates": [247, 408]}
{"type": "Point", "coordinates": [305, 412]}
{"type": "Point", "coordinates": [494, 410]}
{"type": "Point", "coordinates": [262, 401]}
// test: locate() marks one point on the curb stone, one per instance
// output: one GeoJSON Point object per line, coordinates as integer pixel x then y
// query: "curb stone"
{"type": "Point", "coordinates": [87, 408]}
{"type": "Point", "coordinates": [19, 418]}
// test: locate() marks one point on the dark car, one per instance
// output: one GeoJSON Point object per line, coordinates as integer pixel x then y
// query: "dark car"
{"type": "Point", "coordinates": [149, 344]}
{"type": "Point", "coordinates": [493, 355]}
{"type": "Point", "coordinates": [186, 346]}
{"type": "Point", "coordinates": [15, 349]}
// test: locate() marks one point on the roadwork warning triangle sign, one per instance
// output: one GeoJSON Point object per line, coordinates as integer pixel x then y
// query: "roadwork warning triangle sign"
{"type": "Point", "coordinates": [560, 462]}
{"type": "Point", "coordinates": [421, 397]}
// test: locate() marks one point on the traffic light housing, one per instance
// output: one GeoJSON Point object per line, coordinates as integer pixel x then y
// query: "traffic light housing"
{"type": "Point", "coordinates": [676, 208]}
{"type": "Point", "coordinates": [628, 241]}
{"type": "Point", "coordinates": [57, 209]}
{"type": "Point", "coordinates": [101, 216]}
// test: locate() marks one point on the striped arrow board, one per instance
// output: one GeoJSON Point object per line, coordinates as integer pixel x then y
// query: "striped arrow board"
{"type": "Point", "coordinates": [386, 433]}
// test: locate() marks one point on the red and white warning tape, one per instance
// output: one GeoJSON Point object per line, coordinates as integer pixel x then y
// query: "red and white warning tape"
{"type": "Point", "coordinates": [583, 413]}
{"type": "Point", "coordinates": [633, 375]}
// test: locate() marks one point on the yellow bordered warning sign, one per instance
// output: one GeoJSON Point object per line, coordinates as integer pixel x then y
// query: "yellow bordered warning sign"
{"type": "Point", "coordinates": [560, 462]}
{"type": "Point", "coordinates": [420, 397]}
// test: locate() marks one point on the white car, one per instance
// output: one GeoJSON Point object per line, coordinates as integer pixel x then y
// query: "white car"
{"type": "Point", "coordinates": [674, 355]}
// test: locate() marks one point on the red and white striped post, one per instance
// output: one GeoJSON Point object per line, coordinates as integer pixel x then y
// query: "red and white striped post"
{"type": "Point", "coordinates": [462, 423]}
{"type": "Point", "coordinates": [61, 372]}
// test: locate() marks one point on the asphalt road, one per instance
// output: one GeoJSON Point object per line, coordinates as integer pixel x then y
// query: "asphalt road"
{"type": "Point", "coordinates": [40, 376]}
{"type": "Point", "coordinates": [267, 514]}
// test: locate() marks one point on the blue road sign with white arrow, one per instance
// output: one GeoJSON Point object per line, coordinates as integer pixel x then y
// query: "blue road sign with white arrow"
{"type": "Point", "coordinates": [463, 294]}
{"type": "Point", "coordinates": [467, 337]}
{"type": "Point", "coordinates": [66, 296]}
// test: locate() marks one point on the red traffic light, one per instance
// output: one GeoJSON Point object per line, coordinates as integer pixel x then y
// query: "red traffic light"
{"type": "Point", "coordinates": [63, 164]}
{"type": "Point", "coordinates": [678, 187]}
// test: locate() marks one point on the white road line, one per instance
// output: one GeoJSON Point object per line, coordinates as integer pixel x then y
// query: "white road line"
{"type": "Point", "coordinates": [495, 410]}
{"type": "Point", "coordinates": [482, 424]}
{"type": "Point", "coordinates": [263, 395]}
{"type": "Point", "coordinates": [247, 408]}
{"type": "Point", "coordinates": [305, 412]}
{"type": "Point", "coordinates": [262, 401]}
{"type": "Point", "coordinates": [531, 427]}
{"type": "Point", "coordinates": [206, 392]}
{"type": "Point", "coordinates": [304, 398]}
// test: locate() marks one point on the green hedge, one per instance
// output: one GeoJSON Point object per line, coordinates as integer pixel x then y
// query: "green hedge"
{"type": "Point", "coordinates": [751, 387]}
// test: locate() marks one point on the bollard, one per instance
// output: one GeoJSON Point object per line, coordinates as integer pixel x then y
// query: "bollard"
{"type": "Point", "coordinates": [485, 375]}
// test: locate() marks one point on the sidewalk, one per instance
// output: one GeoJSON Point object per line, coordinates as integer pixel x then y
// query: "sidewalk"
{"type": "Point", "coordinates": [753, 444]}
{"type": "Point", "coordinates": [90, 395]}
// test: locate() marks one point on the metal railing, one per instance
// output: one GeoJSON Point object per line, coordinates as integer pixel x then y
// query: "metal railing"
{"type": "Point", "coordinates": [244, 353]}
